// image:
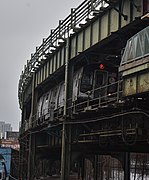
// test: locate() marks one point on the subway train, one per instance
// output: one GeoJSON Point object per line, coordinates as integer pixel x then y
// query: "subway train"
{"type": "Point", "coordinates": [89, 83]}
{"type": "Point", "coordinates": [98, 83]}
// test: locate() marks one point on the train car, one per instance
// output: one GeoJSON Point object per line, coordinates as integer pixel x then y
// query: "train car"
{"type": "Point", "coordinates": [93, 82]}
{"type": "Point", "coordinates": [134, 67]}
{"type": "Point", "coordinates": [89, 82]}
{"type": "Point", "coordinates": [51, 101]}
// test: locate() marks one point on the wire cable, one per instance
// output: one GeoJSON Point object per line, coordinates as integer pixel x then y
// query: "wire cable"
{"type": "Point", "coordinates": [12, 177]}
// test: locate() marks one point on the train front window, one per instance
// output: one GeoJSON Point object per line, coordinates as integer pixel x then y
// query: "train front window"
{"type": "Point", "coordinates": [100, 78]}
{"type": "Point", "coordinates": [86, 82]}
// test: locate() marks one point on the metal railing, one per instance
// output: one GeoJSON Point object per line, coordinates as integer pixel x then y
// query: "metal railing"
{"type": "Point", "coordinates": [71, 22]}
{"type": "Point", "coordinates": [104, 98]}
{"type": "Point", "coordinates": [51, 114]}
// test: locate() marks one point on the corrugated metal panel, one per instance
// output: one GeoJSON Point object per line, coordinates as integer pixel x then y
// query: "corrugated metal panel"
{"type": "Point", "coordinates": [95, 32]}
{"type": "Point", "coordinates": [104, 26]}
{"type": "Point", "coordinates": [50, 65]}
{"type": "Point", "coordinates": [62, 56]}
{"type": "Point", "coordinates": [36, 80]}
{"type": "Point", "coordinates": [80, 42]}
{"type": "Point", "coordinates": [87, 39]}
{"type": "Point", "coordinates": [54, 62]}
{"type": "Point", "coordinates": [114, 19]}
{"type": "Point", "coordinates": [39, 72]}
{"type": "Point", "coordinates": [126, 11]}
{"type": "Point", "coordinates": [43, 73]}
{"type": "Point", "coordinates": [137, 11]}
{"type": "Point", "coordinates": [58, 58]}
{"type": "Point", "coordinates": [47, 69]}
{"type": "Point", "coordinates": [73, 47]}
{"type": "Point", "coordinates": [38, 76]}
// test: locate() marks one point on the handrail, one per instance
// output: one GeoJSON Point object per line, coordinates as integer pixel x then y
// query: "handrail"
{"type": "Point", "coordinates": [61, 32]}
{"type": "Point", "coordinates": [105, 99]}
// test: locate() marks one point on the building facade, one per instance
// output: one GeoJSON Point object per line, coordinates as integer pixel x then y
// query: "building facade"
{"type": "Point", "coordinates": [4, 127]}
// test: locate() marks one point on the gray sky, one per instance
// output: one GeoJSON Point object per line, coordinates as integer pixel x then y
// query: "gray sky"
{"type": "Point", "coordinates": [23, 25]}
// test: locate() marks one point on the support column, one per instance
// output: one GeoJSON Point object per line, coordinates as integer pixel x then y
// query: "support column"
{"type": "Point", "coordinates": [63, 153]}
{"type": "Point", "coordinates": [95, 167]}
{"type": "Point", "coordinates": [127, 166]}
{"type": "Point", "coordinates": [66, 152]}
{"type": "Point", "coordinates": [32, 137]}
{"type": "Point", "coordinates": [31, 158]}
{"type": "Point", "coordinates": [66, 130]}
{"type": "Point", "coordinates": [100, 165]}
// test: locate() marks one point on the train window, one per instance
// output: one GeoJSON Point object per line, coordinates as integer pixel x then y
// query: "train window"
{"type": "Point", "coordinates": [146, 49]}
{"type": "Point", "coordinates": [86, 82]}
{"type": "Point", "coordinates": [100, 78]}
{"type": "Point", "coordinates": [130, 51]}
{"type": "Point", "coordinates": [55, 92]}
{"type": "Point", "coordinates": [47, 95]}
{"type": "Point", "coordinates": [76, 79]}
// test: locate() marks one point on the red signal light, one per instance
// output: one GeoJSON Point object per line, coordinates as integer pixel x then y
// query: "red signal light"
{"type": "Point", "coordinates": [101, 66]}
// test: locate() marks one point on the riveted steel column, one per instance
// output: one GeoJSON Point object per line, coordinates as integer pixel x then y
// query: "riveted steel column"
{"type": "Point", "coordinates": [31, 158]}
{"type": "Point", "coordinates": [32, 138]}
{"type": "Point", "coordinates": [127, 166]}
{"type": "Point", "coordinates": [66, 134]}
{"type": "Point", "coordinates": [96, 167]}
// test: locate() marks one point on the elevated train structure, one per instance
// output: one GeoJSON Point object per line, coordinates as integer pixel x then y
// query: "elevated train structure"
{"type": "Point", "coordinates": [85, 91]}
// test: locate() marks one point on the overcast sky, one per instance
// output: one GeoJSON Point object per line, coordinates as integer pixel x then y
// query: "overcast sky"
{"type": "Point", "coordinates": [23, 25]}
